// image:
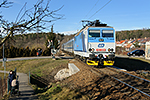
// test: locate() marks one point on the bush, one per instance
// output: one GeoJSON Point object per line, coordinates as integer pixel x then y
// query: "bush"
{"type": "Point", "coordinates": [47, 52]}
{"type": "Point", "coordinates": [22, 52]}
{"type": "Point", "coordinates": [33, 52]}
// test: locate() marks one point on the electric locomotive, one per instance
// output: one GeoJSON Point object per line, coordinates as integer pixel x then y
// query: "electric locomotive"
{"type": "Point", "coordinates": [95, 43]}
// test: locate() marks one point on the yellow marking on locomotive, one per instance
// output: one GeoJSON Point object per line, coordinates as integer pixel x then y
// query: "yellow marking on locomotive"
{"type": "Point", "coordinates": [108, 63]}
{"type": "Point", "coordinates": [91, 62]}
{"type": "Point", "coordinates": [105, 63]}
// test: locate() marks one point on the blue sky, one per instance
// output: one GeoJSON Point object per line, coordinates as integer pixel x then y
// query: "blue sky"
{"type": "Point", "coordinates": [121, 14]}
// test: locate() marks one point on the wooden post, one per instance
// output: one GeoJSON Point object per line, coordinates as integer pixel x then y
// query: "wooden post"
{"type": "Point", "coordinates": [29, 77]}
{"type": "Point", "coordinates": [8, 86]}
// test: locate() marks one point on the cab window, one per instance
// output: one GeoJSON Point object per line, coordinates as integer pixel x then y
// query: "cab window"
{"type": "Point", "coordinates": [94, 33]}
{"type": "Point", "coordinates": [107, 33]}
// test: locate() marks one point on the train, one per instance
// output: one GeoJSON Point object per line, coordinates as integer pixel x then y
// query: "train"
{"type": "Point", "coordinates": [95, 43]}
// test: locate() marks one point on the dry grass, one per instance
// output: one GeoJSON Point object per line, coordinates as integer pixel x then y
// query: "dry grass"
{"type": "Point", "coordinates": [43, 67]}
{"type": "Point", "coordinates": [2, 75]}
{"type": "Point", "coordinates": [58, 92]}
{"type": "Point", "coordinates": [40, 67]}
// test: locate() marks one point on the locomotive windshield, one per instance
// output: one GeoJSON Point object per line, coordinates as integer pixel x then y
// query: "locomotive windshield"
{"type": "Point", "coordinates": [107, 33]}
{"type": "Point", "coordinates": [94, 33]}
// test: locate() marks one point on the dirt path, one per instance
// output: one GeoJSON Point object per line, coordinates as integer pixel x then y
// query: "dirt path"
{"type": "Point", "coordinates": [27, 92]}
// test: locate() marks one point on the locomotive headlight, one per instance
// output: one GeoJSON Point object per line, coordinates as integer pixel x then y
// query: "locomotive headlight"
{"type": "Point", "coordinates": [90, 49]}
{"type": "Point", "coordinates": [109, 49]}
{"type": "Point", "coordinates": [112, 50]}
{"type": "Point", "coordinates": [93, 49]}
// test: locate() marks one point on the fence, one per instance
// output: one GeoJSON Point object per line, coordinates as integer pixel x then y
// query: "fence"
{"type": "Point", "coordinates": [3, 86]}
{"type": "Point", "coordinates": [39, 81]}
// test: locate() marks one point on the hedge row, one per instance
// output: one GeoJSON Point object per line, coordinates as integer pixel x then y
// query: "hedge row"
{"type": "Point", "coordinates": [22, 52]}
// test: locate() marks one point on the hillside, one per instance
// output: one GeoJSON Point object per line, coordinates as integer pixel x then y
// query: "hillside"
{"type": "Point", "coordinates": [122, 35]}
{"type": "Point", "coordinates": [34, 40]}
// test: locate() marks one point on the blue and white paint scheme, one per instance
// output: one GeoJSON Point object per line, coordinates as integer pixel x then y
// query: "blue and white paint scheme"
{"type": "Point", "coordinates": [68, 46]}
{"type": "Point", "coordinates": [93, 42]}
{"type": "Point", "coordinates": [101, 39]}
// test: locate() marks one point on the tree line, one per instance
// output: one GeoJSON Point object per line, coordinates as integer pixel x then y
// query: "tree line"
{"type": "Point", "coordinates": [34, 40]}
{"type": "Point", "coordinates": [122, 35]}
{"type": "Point", "coordinates": [12, 51]}
{"type": "Point", "coordinates": [22, 52]}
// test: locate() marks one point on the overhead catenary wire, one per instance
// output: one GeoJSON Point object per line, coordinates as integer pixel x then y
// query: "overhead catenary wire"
{"type": "Point", "coordinates": [100, 8]}
{"type": "Point", "coordinates": [91, 9]}
{"type": "Point", "coordinates": [96, 11]}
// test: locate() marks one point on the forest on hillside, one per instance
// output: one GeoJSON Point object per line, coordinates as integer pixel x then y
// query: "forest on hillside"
{"type": "Point", "coordinates": [122, 35]}
{"type": "Point", "coordinates": [27, 45]}
{"type": "Point", "coordinates": [33, 40]}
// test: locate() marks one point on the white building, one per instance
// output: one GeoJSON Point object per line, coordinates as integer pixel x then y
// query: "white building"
{"type": "Point", "coordinates": [147, 50]}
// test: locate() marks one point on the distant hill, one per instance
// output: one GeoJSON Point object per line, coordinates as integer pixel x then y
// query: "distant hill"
{"type": "Point", "coordinates": [122, 35]}
{"type": "Point", "coordinates": [31, 40]}
{"type": "Point", "coordinates": [34, 40]}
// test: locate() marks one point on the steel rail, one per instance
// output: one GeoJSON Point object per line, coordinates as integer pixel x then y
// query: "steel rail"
{"type": "Point", "coordinates": [136, 77]}
{"type": "Point", "coordinates": [133, 76]}
{"type": "Point", "coordinates": [130, 86]}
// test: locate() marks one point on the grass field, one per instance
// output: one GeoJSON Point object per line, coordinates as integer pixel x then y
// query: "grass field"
{"type": "Point", "coordinates": [40, 67]}
{"type": "Point", "coordinates": [2, 75]}
{"type": "Point", "coordinates": [44, 67]}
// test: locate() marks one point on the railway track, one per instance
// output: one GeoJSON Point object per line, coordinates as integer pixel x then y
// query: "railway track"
{"type": "Point", "coordinates": [137, 83]}
{"type": "Point", "coordinates": [124, 83]}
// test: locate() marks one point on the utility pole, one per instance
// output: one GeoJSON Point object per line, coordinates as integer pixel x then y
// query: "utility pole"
{"type": "Point", "coordinates": [38, 10]}
{"type": "Point", "coordinates": [53, 51]}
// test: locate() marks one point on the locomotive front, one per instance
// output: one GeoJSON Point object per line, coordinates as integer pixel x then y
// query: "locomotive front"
{"type": "Point", "coordinates": [95, 43]}
{"type": "Point", "coordinates": [101, 45]}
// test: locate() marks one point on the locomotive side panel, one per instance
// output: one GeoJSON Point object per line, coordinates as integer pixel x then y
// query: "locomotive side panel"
{"type": "Point", "coordinates": [78, 43]}
{"type": "Point", "coordinates": [81, 44]}
{"type": "Point", "coordinates": [69, 46]}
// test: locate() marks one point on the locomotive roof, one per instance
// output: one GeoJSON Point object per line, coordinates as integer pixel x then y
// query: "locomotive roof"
{"type": "Point", "coordinates": [91, 26]}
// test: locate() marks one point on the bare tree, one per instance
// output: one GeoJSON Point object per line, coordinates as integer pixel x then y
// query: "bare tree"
{"type": "Point", "coordinates": [39, 16]}
{"type": "Point", "coordinates": [5, 4]}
